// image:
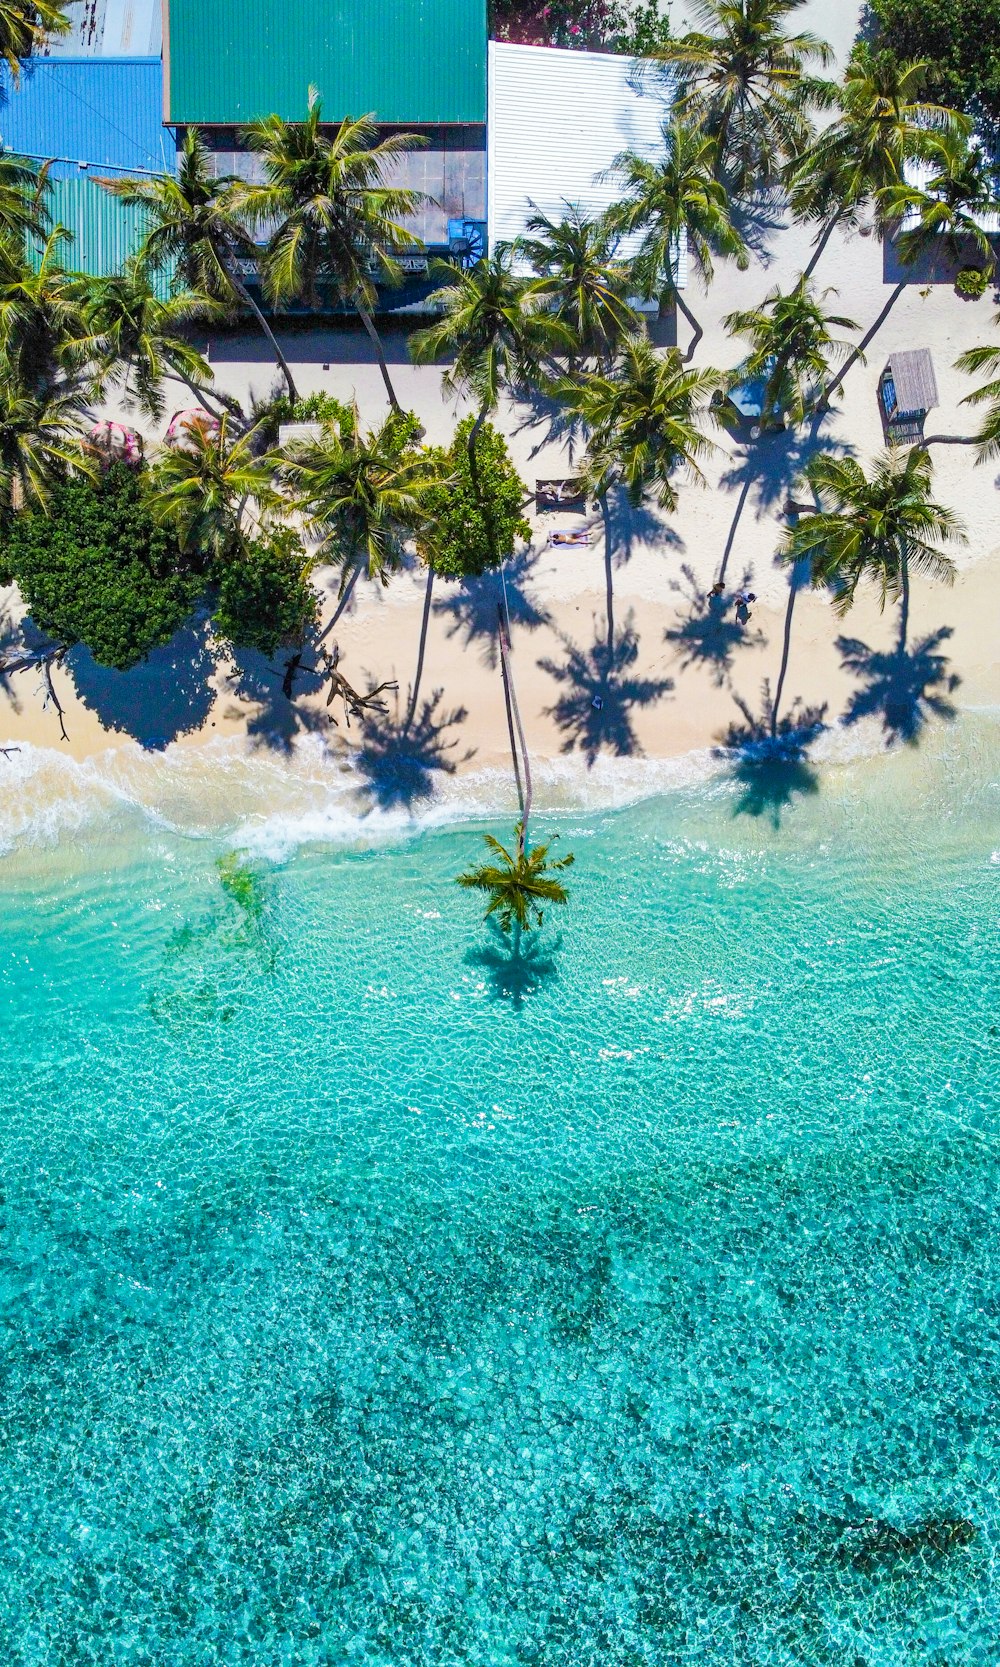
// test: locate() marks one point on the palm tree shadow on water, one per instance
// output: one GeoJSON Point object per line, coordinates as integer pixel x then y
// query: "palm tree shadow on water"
{"type": "Point", "coordinates": [402, 761]}
{"type": "Point", "coordinates": [471, 607]}
{"type": "Point", "coordinates": [515, 967]}
{"type": "Point", "coordinates": [904, 687]}
{"type": "Point", "coordinates": [595, 712]}
{"type": "Point", "coordinates": [769, 761]}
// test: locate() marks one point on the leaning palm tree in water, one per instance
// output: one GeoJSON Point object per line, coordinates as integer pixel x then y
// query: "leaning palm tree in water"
{"type": "Point", "coordinates": [518, 883]}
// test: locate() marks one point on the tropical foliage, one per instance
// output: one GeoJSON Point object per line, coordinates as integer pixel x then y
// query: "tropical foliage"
{"type": "Point", "coordinates": [879, 527]}
{"type": "Point", "coordinates": [468, 526]}
{"type": "Point", "coordinates": [580, 279]}
{"type": "Point", "coordinates": [520, 885]}
{"type": "Point", "coordinates": [975, 361]}
{"type": "Point", "coordinates": [25, 26]}
{"type": "Point", "coordinates": [265, 598]}
{"type": "Point", "coordinates": [645, 419]}
{"type": "Point", "coordinates": [748, 83]}
{"type": "Point", "coordinates": [959, 40]}
{"type": "Point", "coordinates": [98, 570]}
{"type": "Point", "coordinates": [792, 347]}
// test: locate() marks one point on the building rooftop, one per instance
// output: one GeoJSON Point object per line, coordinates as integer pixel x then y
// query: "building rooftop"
{"type": "Point", "coordinates": [410, 62]}
{"type": "Point", "coordinates": [103, 111]}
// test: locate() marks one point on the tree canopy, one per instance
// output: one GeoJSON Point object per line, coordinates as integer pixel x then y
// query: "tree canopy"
{"type": "Point", "coordinates": [99, 571]}
{"type": "Point", "coordinates": [455, 540]}
{"type": "Point", "coordinates": [959, 40]}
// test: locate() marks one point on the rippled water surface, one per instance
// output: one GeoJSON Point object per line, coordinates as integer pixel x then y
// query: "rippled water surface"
{"type": "Point", "coordinates": [368, 1298]}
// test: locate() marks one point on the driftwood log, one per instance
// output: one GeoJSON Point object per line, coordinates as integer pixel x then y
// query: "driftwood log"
{"type": "Point", "coordinates": [355, 705]}
{"type": "Point", "coordinates": [43, 660]}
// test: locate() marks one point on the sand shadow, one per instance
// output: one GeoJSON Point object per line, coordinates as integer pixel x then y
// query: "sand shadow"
{"type": "Point", "coordinates": [515, 967]}
{"type": "Point", "coordinates": [595, 712]}
{"type": "Point", "coordinates": [904, 687]}
{"type": "Point", "coordinates": [278, 720]}
{"type": "Point", "coordinates": [769, 761]}
{"type": "Point", "coordinates": [471, 608]}
{"type": "Point", "coordinates": [758, 219]}
{"type": "Point", "coordinates": [401, 763]}
{"type": "Point", "coordinates": [708, 633]}
{"type": "Point", "coordinates": [166, 695]}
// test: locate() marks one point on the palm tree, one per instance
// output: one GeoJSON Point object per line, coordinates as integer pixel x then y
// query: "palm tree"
{"type": "Point", "coordinates": [25, 24]}
{"type": "Point", "coordinates": [361, 493]}
{"type": "Point", "coordinates": [581, 279]}
{"type": "Point", "coordinates": [499, 331]}
{"type": "Point", "coordinates": [860, 157]}
{"type": "Point", "coordinates": [957, 189]}
{"type": "Point", "coordinates": [193, 225]}
{"type": "Point", "coordinates": [643, 419]}
{"type": "Point", "coordinates": [746, 81]}
{"type": "Point", "coordinates": [878, 527]}
{"type": "Point", "coordinates": [40, 436]}
{"type": "Point", "coordinates": [985, 359]}
{"type": "Point", "coordinates": [792, 348]}
{"type": "Point", "coordinates": [202, 489]}
{"type": "Point", "coordinates": [23, 186]}
{"type": "Point", "coordinates": [140, 337]}
{"type": "Point", "coordinates": [44, 332]}
{"type": "Point", "coordinates": [332, 216]}
{"type": "Point", "coordinates": [518, 884]}
{"type": "Point", "coordinates": [675, 199]}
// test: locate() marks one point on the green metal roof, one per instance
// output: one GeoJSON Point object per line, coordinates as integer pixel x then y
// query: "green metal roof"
{"type": "Point", "coordinates": [408, 61]}
{"type": "Point", "coordinates": [105, 229]}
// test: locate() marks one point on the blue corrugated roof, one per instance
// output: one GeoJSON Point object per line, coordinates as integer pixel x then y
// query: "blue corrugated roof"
{"type": "Point", "coordinates": [108, 111]}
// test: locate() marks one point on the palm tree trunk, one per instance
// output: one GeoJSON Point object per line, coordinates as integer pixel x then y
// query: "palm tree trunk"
{"type": "Point", "coordinates": [609, 584]}
{"type": "Point", "coordinates": [248, 301]}
{"type": "Point", "coordinates": [695, 326]}
{"type": "Point", "coordinates": [376, 341]}
{"type": "Point", "coordinates": [514, 723]}
{"type": "Point", "coordinates": [342, 601]}
{"type": "Point", "coordinates": [822, 241]}
{"type": "Point", "coordinates": [904, 613]}
{"type": "Point", "coordinates": [730, 541]}
{"type": "Point", "coordinates": [425, 621]}
{"type": "Point", "coordinates": [491, 535]}
{"type": "Point", "coordinates": [793, 590]}
{"type": "Point", "coordinates": [866, 340]}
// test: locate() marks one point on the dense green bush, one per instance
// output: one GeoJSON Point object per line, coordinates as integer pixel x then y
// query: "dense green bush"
{"type": "Point", "coordinates": [315, 408]}
{"type": "Point", "coordinates": [97, 570]}
{"type": "Point", "coordinates": [265, 597]}
{"type": "Point", "coordinates": [972, 281]}
{"type": "Point", "coordinates": [457, 542]}
{"type": "Point", "coordinates": [959, 38]}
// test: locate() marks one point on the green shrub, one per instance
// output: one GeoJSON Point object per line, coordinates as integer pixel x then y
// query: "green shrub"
{"type": "Point", "coordinates": [265, 597]}
{"type": "Point", "coordinates": [457, 543]}
{"type": "Point", "coordinates": [315, 408]}
{"type": "Point", "coordinates": [959, 38]}
{"type": "Point", "coordinates": [97, 570]}
{"type": "Point", "coordinates": [972, 281]}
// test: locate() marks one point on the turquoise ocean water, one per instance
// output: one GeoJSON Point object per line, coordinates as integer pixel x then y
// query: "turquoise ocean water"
{"type": "Point", "coordinates": [368, 1299]}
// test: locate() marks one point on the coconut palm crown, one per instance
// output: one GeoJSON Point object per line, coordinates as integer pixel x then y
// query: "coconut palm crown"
{"type": "Point", "coordinates": [879, 526]}
{"type": "Point", "coordinates": [519, 884]}
{"type": "Point", "coordinates": [25, 26]}
{"type": "Point", "coordinates": [673, 201]}
{"type": "Point", "coordinates": [957, 189]}
{"type": "Point", "coordinates": [582, 281]}
{"type": "Point", "coordinates": [792, 348]}
{"type": "Point", "coordinates": [495, 325]}
{"type": "Point", "coordinates": [986, 359]}
{"type": "Point", "coordinates": [644, 418]}
{"type": "Point", "coordinates": [748, 83]}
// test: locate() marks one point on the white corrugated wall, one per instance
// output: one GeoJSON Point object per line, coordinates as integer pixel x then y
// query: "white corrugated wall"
{"type": "Point", "coordinates": [557, 119]}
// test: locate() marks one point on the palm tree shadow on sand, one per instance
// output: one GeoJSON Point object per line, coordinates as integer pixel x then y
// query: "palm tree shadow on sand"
{"type": "Point", "coordinates": [515, 968]}
{"type": "Point", "coordinates": [708, 632]}
{"type": "Point", "coordinates": [402, 762]}
{"type": "Point", "coordinates": [904, 687]}
{"type": "Point", "coordinates": [769, 760]}
{"type": "Point", "coordinates": [595, 712]}
{"type": "Point", "coordinates": [472, 606]}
